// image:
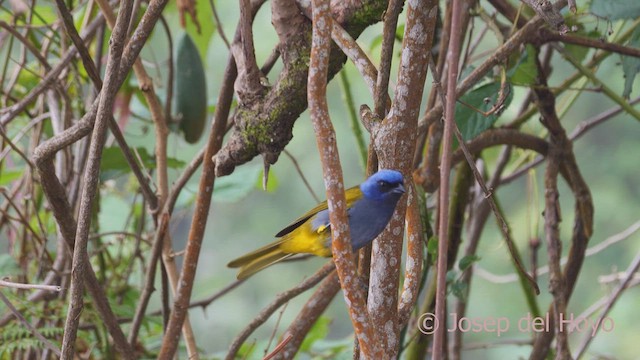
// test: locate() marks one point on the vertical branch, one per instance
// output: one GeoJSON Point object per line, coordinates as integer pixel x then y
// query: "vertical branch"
{"type": "Point", "coordinates": [203, 202]}
{"type": "Point", "coordinates": [199, 222]}
{"type": "Point", "coordinates": [395, 137]}
{"type": "Point", "coordinates": [413, 266]}
{"type": "Point", "coordinates": [554, 247]}
{"type": "Point", "coordinates": [326, 139]}
{"type": "Point", "coordinates": [92, 172]}
{"type": "Point", "coordinates": [562, 284]}
{"type": "Point", "coordinates": [559, 147]}
{"type": "Point", "coordinates": [388, 40]}
{"type": "Point", "coordinates": [624, 284]}
{"type": "Point", "coordinates": [248, 84]}
{"type": "Point", "coordinates": [382, 102]}
{"type": "Point", "coordinates": [453, 58]}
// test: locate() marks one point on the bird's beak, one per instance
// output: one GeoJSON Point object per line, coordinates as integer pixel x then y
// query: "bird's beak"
{"type": "Point", "coordinates": [399, 189]}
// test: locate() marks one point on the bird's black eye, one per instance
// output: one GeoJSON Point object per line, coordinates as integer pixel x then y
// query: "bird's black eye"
{"type": "Point", "coordinates": [384, 185]}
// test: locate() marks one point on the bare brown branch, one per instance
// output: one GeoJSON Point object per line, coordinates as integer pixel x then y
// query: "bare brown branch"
{"type": "Point", "coordinates": [280, 300]}
{"type": "Point", "coordinates": [332, 175]}
{"type": "Point", "coordinates": [92, 171]}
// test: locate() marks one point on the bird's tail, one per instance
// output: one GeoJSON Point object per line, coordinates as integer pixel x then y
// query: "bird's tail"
{"type": "Point", "coordinates": [257, 260]}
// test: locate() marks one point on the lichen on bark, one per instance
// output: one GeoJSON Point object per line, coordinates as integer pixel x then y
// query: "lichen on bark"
{"type": "Point", "coordinates": [264, 125]}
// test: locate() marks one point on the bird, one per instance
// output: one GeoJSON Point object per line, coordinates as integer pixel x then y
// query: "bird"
{"type": "Point", "coordinates": [369, 208]}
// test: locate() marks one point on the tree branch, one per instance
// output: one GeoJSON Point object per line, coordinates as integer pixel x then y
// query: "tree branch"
{"type": "Point", "coordinates": [92, 172]}
{"type": "Point", "coordinates": [265, 127]}
{"type": "Point", "coordinates": [311, 311]}
{"type": "Point", "coordinates": [280, 300]}
{"type": "Point", "coordinates": [453, 58]}
{"type": "Point", "coordinates": [332, 174]}
{"type": "Point", "coordinates": [393, 139]}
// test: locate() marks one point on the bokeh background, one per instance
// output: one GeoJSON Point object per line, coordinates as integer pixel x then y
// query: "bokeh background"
{"type": "Point", "coordinates": [244, 216]}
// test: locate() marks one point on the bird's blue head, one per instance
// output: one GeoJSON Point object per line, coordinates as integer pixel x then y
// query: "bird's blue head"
{"type": "Point", "coordinates": [383, 185]}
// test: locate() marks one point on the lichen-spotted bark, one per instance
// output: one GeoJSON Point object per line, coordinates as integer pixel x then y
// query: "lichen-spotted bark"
{"type": "Point", "coordinates": [394, 138]}
{"type": "Point", "coordinates": [332, 173]}
{"type": "Point", "coordinates": [264, 126]}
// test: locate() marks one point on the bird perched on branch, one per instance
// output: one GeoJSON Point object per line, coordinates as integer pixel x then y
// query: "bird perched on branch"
{"type": "Point", "coordinates": [369, 209]}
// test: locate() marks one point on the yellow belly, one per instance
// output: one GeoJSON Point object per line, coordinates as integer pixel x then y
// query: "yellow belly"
{"type": "Point", "coordinates": [304, 240]}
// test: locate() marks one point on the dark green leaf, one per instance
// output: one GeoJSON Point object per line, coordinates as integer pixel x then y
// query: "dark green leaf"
{"type": "Point", "coordinates": [470, 122]}
{"type": "Point", "coordinates": [190, 90]}
{"type": "Point", "coordinates": [459, 289]}
{"type": "Point", "coordinates": [114, 164]}
{"type": "Point", "coordinates": [452, 275]}
{"type": "Point", "coordinates": [525, 72]}
{"type": "Point", "coordinates": [467, 261]}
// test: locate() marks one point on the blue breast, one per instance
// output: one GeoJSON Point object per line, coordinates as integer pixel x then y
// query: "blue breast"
{"type": "Point", "coordinates": [367, 219]}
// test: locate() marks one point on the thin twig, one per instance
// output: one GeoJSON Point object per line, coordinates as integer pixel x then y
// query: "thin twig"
{"type": "Point", "coordinates": [304, 178]}
{"type": "Point", "coordinates": [311, 311]}
{"type": "Point", "coordinates": [4, 282]}
{"type": "Point", "coordinates": [198, 224]}
{"type": "Point", "coordinates": [219, 27]}
{"type": "Point", "coordinates": [92, 171]}
{"type": "Point", "coordinates": [281, 299]}
{"type": "Point", "coordinates": [453, 58]}
{"type": "Point", "coordinates": [388, 41]}
{"type": "Point", "coordinates": [603, 245]}
{"type": "Point", "coordinates": [204, 303]}
{"type": "Point", "coordinates": [586, 340]}
{"type": "Point", "coordinates": [577, 133]}
{"type": "Point", "coordinates": [278, 348]}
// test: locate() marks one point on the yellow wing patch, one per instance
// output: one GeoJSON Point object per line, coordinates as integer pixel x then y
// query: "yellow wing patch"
{"type": "Point", "coordinates": [304, 240]}
{"type": "Point", "coordinates": [351, 195]}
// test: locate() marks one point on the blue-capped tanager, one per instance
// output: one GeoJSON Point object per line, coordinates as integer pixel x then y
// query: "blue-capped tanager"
{"type": "Point", "coordinates": [369, 208]}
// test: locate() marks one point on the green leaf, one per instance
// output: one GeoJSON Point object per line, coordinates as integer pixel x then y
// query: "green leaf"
{"type": "Point", "coordinates": [44, 15]}
{"type": "Point", "coordinates": [452, 275]}
{"type": "Point", "coordinates": [525, 72]}
{"type": "Point", "coordinates": [458, 289]}
{"type": "Point", "coordinates": [472, 123]}
{"type": "Point", "coordinates": [114, 164]}
{"type": "Point", "coordinates": [631, 64]}
{"type": "Point", "coordinates": [7, 177]}
{"type": "Point", "coordinates": [616, 9]}
{"type": "Point", "coordinates": [319, 330]}
{"type": "Point", "coordinates": [580, 52]}
{"type": "Point", "coordinates": [432, 247]}
{"type": "Point", "coordinates": [400, 32]}
{"type": "Point", "coordinates": [190, 90]}
{"type": "Point", "coordinates": [467, 261]}
{"type": "Point", "coordinates": [340, 349]}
